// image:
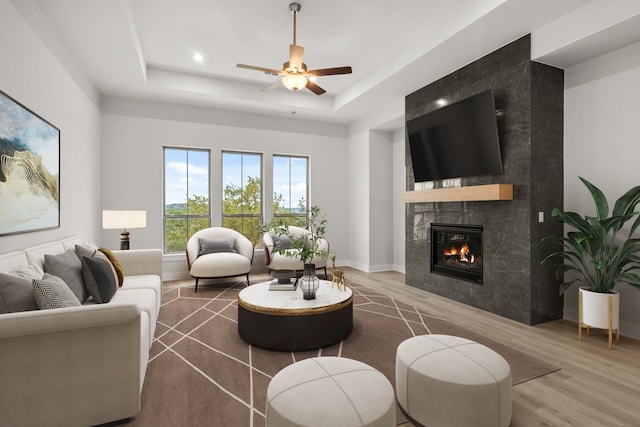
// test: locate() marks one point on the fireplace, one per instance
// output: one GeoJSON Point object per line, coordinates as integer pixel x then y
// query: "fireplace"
{"type": "Point", "coordinates": [456, 251]}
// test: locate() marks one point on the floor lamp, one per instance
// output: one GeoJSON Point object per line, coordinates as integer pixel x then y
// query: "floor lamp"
{"type": "Point", "coordinates": [124, 220]}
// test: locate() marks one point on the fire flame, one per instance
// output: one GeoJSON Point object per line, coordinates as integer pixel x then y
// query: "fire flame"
{"type": "Point", "coordinates": [462, 253]}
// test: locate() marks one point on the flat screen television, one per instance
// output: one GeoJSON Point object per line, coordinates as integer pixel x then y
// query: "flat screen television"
{"type": "Point", "coordinates": [457, 140]}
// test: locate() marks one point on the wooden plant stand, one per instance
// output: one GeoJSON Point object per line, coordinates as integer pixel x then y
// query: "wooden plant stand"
{"type": "Point", "coordinates": [588, 327]}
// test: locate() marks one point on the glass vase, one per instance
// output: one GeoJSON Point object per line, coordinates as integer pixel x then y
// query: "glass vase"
{"type": "Point", "coordinates": [309, 282]}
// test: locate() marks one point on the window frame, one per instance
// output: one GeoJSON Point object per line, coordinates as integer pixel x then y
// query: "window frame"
{"type": "Point", "coordinates": [185, 216]}
{"type": "Point", "coordinates": [260, 216]}
{"type": "Point", "coordinates": [289, 217]}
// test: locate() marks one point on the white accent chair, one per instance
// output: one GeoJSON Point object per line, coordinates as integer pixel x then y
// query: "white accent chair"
{"type": "Point", "coordinates": [218, 252]}
{"type": "Point", "coordinates": [278, 261]}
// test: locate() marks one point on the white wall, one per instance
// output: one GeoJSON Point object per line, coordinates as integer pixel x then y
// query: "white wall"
{"type": "Point", "coordinates": [380, 201]}
{"type": "Point", "coordinates": [602, 144]}
{"type": "Point", "coordinates": [32, 75]}
{"type": "Point", "coordinates": [358, 200]}
{"type": "Point", "coordinates": [372, 200]}
{"type": "Point", "coordinates": [399, 213]}
{"type": "Point", "coordinates": [132, 164]}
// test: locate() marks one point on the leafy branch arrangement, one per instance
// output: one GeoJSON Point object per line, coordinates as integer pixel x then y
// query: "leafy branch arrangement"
{"type": "Point", "coordinates": [307, 245]}
{"type": "Point", "coordinates": [594, 251]}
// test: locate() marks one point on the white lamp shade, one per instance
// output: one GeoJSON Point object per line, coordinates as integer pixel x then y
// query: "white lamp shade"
{"type": "Point", "coordinates": [124, 219]}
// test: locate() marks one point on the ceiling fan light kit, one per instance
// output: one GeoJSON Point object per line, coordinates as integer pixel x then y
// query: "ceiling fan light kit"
{"type": "Point", "coordinates": [294, 81]}
{"type": "Point", "coordinates": [295, 73]}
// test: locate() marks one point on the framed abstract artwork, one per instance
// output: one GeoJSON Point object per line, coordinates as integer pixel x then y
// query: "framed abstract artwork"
{"type": "Point", "coordinates": [29, 170]}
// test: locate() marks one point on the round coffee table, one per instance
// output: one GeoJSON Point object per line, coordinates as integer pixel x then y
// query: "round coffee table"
{"type": "Point", "coordinates": [283, 320]}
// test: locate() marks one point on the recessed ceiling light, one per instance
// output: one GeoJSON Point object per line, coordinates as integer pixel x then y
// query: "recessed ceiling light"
{"type": "Point", "coordinates": [198, 57]}
{"type": "Point", "coordinates": [441, 102]}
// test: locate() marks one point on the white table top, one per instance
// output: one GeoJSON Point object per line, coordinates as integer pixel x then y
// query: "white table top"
{"type": "Point", "coordinates": [259, 295]}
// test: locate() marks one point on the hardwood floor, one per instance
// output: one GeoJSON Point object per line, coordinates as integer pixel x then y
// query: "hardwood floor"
{"type": "Point", "coordinates": [594, 387]}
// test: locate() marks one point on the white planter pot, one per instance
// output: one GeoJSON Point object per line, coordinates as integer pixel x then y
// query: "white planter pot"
{"type": "Point", "coordinates": [601, 311]}
{"type": "Point", "coordinates": [595, 309]}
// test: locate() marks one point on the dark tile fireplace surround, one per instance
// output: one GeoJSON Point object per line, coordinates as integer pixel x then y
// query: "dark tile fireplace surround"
{"type": "Point", "coordinates": [509, 281]}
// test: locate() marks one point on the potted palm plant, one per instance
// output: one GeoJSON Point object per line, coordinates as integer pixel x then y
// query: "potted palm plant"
{"type": "Point", "coordinates": [597, 258]}
{"type": "Point", "coordinates": [305, 246]}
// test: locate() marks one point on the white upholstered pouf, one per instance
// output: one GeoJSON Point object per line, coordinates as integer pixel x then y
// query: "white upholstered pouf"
{"type": "Point", "coordinates": [443, 380]}
{"type": "Point", "coordinates": [330, 391]}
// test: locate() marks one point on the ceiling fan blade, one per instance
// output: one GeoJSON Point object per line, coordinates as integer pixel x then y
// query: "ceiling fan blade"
{"type": "Point", "coordinates": [330, 71]}
{"type": "Point", "coordinates": [295, 55]}
{"type": "Point", "coordinates": [264, 70]}
{"type": "Point", "coordinates": [272, 86]}
{"type": "Point", "coordinates": [314, 88]}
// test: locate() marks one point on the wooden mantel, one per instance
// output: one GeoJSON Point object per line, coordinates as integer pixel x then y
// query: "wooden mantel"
{"type": "Point", "coordinates": [475, 193]}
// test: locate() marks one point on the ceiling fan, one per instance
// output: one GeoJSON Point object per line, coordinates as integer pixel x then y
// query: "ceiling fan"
{"type": "Point", "coordinates": [295, 73]}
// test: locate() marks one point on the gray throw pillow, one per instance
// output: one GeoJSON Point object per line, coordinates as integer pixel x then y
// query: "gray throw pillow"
{"type": "Point", "coordinates": [68, 267]}
{"type": "Point", "coordinates": [84, 251]}
{"type": "Point", "coordinates": [16, 294]}
{"type": "Point", "coordinates": [282, 242]}
{"type": "Point", "coordinates": [100, 280]}
{"type": "Point", "coordinates": [209, 246]}
{"type": "Point", "coordinates": [51, 292]}
{"type": "Point", "coordinates": [103, 257]}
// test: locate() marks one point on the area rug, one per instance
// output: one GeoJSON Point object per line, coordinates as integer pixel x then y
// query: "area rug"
{"type": "Point", "coordinates": [201, 373]}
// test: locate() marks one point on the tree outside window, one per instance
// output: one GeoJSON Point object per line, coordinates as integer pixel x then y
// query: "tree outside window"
{"type": "Point", "coordinates": [290, 189]}
{"type": "Point", "coordinates": [186, 196]}
{"type": "Point", "coordinates": [242, 193]}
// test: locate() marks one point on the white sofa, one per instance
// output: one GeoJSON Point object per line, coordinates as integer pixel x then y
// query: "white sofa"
{"type": "Point", "coordinates": [276, 261]}
{"type": "Point", "coordinates": [79, 366]}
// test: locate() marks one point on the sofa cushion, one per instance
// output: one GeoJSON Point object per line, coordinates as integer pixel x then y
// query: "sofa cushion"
{"type": "Point", "coordinates": [52, 292]}
{"type": "Point", "coordinates": [115, 262]}
{"type": "Point", "coordinates": [13, 261]}
{"type": "Point", "coordinates": [16, 294]}
{"type": "Point", "coordinates": [224, 264]}
{"type": "Point", "coordinates": [145, 281]}
{"type": "Point", "coordinates": [211, 246]}
{"type": "Point", "coordinates": [68, 267]}
{"type": "Point", "coordinates": [99, 279]}
{"type": "Point", "coordinates": [35, 254]}
{"type": "Point", "coordinates": [75, 241]}
{"type": "Point", "coordinates": [29, 272]}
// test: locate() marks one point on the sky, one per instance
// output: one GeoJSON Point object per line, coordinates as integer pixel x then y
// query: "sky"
{"type": "Point", "coordinates": [177, 163]}
{"type": "Point", "coordinates": [295, 188]}
{"type": "Point", "coordinates": [290, 174]}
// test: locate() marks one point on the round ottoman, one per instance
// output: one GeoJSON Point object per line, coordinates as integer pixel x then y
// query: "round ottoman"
{"type": "Point", "coordinates": [330, 391]}
{"type": "Point", "coordinates": [450, 381]}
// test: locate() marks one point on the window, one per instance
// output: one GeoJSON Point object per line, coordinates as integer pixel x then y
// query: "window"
{"type": "Point", "coordinates": [290, 189]}
{"type": "Point", "coordinates": [242, 193]}
{"type": "Point", "coordinates": [186, 196]}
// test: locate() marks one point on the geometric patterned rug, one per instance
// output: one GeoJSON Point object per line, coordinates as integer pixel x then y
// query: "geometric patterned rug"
{"type": "Point", "coordinates": [201, 373]}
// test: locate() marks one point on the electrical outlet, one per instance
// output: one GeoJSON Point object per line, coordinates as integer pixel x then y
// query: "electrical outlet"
{"type": "Point", "coordinates": [540, 216]}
